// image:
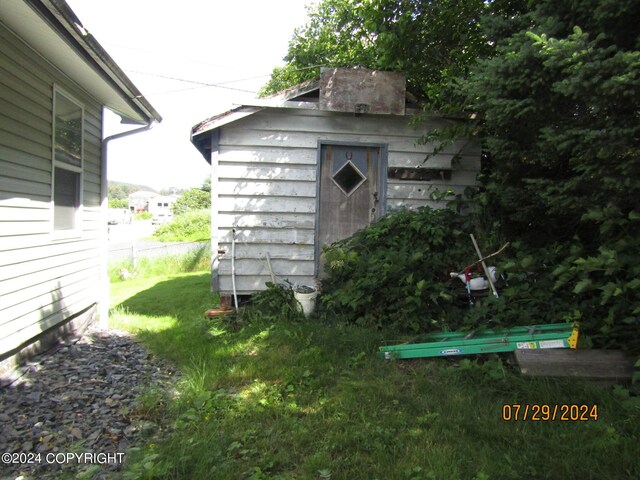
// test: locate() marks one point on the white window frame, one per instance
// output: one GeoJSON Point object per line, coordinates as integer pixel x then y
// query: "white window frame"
{"type": "Point", "coordinates": [77, 226]}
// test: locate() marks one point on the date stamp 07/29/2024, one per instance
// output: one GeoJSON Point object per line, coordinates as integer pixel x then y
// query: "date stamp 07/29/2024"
{"type": "Point", "coordinates": [537, 412]}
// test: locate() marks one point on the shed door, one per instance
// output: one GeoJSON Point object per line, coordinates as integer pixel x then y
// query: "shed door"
{"type": "Point", "coordinates": [349, 191]}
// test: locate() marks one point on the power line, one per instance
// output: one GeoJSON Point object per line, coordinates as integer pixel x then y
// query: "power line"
{"type": "Point", "coordinates": [202, 84]}
{"type": "Point", "coordinates": [206, 84]}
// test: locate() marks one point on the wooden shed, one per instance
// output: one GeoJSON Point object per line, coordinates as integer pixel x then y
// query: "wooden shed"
{"type": "Point", "coordinates": [314, 164]}
{"type": "Point", "coordinates": [55, 81]}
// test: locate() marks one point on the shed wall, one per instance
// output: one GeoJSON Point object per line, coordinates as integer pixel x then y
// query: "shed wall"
{"type": "Point", "coordinates": [45, 278]}
{"type": "Point", "coordinates": [266, 185]}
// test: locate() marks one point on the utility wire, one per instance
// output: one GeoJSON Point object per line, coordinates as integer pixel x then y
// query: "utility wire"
{"type": "Point", "coordinates": [206, 84]}
{"type": "Point", "coordinates": [203, 84]}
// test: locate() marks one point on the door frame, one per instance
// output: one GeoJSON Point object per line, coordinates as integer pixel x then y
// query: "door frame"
{"type": "Point", "coordinates": [383, 148]}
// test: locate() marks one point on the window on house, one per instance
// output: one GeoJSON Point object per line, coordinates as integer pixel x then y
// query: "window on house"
{"type": "Point", "coordinates": [349, 178]}
{"type": "Point", "coordinates": [68, 128]}
{"type": "Point", "coordinates": [66, 186]}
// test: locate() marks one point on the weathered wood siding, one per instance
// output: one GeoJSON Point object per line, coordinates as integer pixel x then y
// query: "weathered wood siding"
{"type": "Point", "coordinates": [266, 186]}
{"type": "Point", "coordinates": [44, 279]}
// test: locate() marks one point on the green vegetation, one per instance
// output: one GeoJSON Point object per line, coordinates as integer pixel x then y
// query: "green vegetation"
{"type": "Point", "coordinates": [191, 226]}
{"type": "Point", "coordinates": [118, 203]}
{"type": "Point", "coordinates": [430, 41]}
{"type": "Point", "coordinates": [396, 273]}
{"type": "Point", "coordinates": [194, 199]}
{"type": "Point", "coordinates": [192, 217]}
{"type": "Point", "coordinates": [260, 397]}
{"type": "Point", "coordinates": [196, 260]}
{"type": "Point", "coordinates": [559, 118]}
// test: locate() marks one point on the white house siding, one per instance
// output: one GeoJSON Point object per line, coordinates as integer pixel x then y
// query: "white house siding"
{"type": "Point", "coordinates": [44, 279]}
{"type": "Point", "coordinates": [266, 186]}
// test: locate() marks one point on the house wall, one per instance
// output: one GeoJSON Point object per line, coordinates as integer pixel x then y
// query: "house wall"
{"type": "Point", "coordinates": [266, 189]}
{"type": "Point", "coordinates": [141, 201]}
{"type": "Point", "coordinates": [161, 204]}
{"type": "Point", "coordinates": [45, 278]}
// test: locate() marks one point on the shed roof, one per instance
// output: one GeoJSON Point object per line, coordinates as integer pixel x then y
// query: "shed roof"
{"type": "Point", "coordinates": [53, 30]}
{"type": "Point", "coordinates": [306, 95]}
{"type": "Point", "coordinates": [281, 99]}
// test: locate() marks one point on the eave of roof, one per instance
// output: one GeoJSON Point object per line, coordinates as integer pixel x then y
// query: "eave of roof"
{"type": "Point", "coordinates": [52, 29]}
{"type": "Point", "coordinates": [281, 99]}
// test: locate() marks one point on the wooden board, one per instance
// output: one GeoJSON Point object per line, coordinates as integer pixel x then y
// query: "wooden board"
{"type": "Point", "coordinates": [362, 91]}
{"type": "Point", "coordinates": [609, 366]}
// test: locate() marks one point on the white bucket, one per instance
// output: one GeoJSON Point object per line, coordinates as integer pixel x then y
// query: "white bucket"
{"type": "Point", "coordinates": [306, 300]}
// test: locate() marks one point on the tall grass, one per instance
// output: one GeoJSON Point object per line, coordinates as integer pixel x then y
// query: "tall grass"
{"type": "Point", "coordinates": [197, 260]}
{"type": "Point", "coordinates": [262, 397]}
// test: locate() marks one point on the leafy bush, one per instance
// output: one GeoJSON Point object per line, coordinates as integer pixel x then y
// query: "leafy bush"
{"type": "Point", "coordinates": [396, 272]}
{"type": "Point", "coordinates": [118, 203]}
{"type": "Point", "coordinates": [193, 199]}
{"type": "Point", "coordinates": [192, 226]}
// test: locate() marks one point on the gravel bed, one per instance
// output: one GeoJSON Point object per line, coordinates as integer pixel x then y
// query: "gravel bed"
{"type": "Point", "coordinates": [77, 409]}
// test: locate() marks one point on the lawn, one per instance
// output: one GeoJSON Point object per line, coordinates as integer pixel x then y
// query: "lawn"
{"type": "Point", "coordinates": [265, 398]}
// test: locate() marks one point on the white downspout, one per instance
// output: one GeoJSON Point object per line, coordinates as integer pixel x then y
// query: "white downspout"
{"type": "Point", "coordinates": [103, 303]}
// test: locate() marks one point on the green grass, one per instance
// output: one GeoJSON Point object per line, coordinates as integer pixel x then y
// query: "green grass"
{"type": "Point", "coordinates": [196, 260]}
{"type": "Point", "coordinates": [268, 399]}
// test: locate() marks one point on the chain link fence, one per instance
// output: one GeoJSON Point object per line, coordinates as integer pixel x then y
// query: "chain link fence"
{"type": "Point", "coordinates": [149, 249]}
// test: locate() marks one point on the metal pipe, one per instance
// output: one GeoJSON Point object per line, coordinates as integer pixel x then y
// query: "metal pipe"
{"type": "Point", "coordinates": [233, 268]}
{"type": "Point", "coordinates": [103, 302]}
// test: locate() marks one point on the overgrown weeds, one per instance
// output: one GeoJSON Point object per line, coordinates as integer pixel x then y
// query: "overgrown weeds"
{"type": "Point", "coordinates": [396, 272]}
{"type": "Point", "coordinates": [276, 303]}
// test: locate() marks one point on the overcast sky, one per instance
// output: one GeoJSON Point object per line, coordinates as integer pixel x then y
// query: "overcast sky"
{"type": "Point", "coordinates": [168, 49]}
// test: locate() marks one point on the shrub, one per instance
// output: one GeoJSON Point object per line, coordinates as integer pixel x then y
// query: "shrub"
{"type": "Point", "coordinates": [192, 226]}
{"type": "Point", "coordinates": [118, 203]}
{"type": "Point", "coordinates": [192, 200]}
{"type": "Point", "coordinates": [396, 272]}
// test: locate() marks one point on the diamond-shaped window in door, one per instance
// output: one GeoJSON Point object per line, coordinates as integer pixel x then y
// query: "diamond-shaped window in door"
{"type": "Point", "coordinates": [348, 178]}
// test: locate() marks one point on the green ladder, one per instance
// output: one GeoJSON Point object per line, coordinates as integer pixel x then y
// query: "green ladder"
{"type": "Point", "coordinates": [555, 335]}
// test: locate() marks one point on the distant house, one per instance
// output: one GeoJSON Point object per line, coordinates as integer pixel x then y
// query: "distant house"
{"type": "Point", "coordinates": [139, 201]}
{"type": "Point", "coordinates": [162, 204]}
{"type": "Point", "coordinates": [55, 80]}
{"type": "Point", "coordinates": [312, 166]}
{"type": "Point", "coordinates": [143, 201]}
